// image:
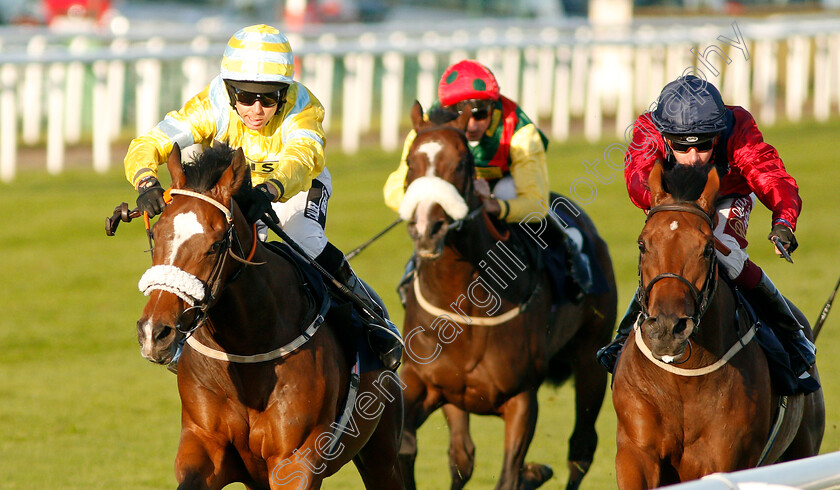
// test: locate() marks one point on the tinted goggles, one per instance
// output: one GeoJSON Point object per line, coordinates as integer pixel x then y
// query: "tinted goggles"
{"type": "Point", "coordinates": [480, 108]}
{"type": "Point", "coordinates": [268, 99]}
{"type": "Point", "coordinates": [685, 147]}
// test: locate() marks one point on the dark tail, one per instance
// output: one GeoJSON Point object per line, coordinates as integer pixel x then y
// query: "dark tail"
{"type": "Point", "coordinates": [824, 313]}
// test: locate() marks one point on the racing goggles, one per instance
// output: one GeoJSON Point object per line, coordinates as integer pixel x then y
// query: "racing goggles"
{"type": "Point", "coordinates": [687, 144]}
{"type": "Point", "coordinates": [267, 99]}
{"type": "Point", "coordinates": [481, 108]}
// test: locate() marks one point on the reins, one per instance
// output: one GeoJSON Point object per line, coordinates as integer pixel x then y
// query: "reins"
{"type": "Point", "coordinates": [702, 297]}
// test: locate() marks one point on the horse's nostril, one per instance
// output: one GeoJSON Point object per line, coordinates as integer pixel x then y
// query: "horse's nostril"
{"type": "Point", "coordinates": [436, 227]}
{"type": "Point", "coordinates": [164, 332]}
{"type": "Point", "coordinates": [681, 325]}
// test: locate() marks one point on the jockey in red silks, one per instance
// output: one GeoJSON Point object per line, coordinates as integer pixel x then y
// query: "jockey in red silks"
{"type": "Point", "coordinates": [509, 154]}
{"type": "Point", "coordinates": [692, 126]}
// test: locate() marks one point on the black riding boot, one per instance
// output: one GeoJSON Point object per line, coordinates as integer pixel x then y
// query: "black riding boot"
{"type": "Point", "coordinates": [577, 262]}
{"type": "Point", "coordinates": [579, 271]}
{"type": "Point", "coordinates": [384, 339]}
{"type": "Point", "coordinates": [772, 306]}
{"type": "Point", "coordinates": [608, 355]}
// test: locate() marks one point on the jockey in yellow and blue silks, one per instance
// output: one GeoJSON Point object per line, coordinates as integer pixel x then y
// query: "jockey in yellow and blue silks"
{"type": "Point", "coordinates": [509, 154]}
{"type": "Point", "coordinates": [255, 104]}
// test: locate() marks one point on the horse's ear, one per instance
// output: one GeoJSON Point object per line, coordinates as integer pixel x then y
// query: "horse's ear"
{"type": "Point", "coordinates": [707, 198]}
{"type": "Point", "coordinates": [657, 193]}
{"type": "Point", "coordinates": [176, 171]}
{"type": "Point", "coordinates": [417, 115]}
{"type": "Point", "coordinates": [241, 170]}
{"type": "Point", "coordinates": [232, 177]}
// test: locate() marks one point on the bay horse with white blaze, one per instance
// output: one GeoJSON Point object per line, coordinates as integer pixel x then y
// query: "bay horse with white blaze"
{"type": "Point", "coordinates": [470, 350]}
{"type": "Point", "coordinates": [265, 384]}
{"type": "Point", "coordinates": [692, 391]}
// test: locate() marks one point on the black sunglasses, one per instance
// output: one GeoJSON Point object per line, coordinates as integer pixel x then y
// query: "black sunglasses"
{"type": "Point", "coordinates": [685, 147]}
{"type": "Point", "coordinates": [480, 108]}
{"type": "Point", "coordinates": [268, 99]}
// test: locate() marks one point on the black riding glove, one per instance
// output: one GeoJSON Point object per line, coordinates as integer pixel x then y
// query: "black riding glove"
{"type": "Point", "coordinates": [150, 199]}
{"type": "Point", "coordinates": [256, 203]}
{"type": "Point", "coordinates": [785, 235]}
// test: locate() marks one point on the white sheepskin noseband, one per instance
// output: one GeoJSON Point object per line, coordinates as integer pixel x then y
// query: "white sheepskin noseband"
{"type": "Point", "coordinates": [174, 280]}
{"type": "Point", "coordinates": [433, 189]}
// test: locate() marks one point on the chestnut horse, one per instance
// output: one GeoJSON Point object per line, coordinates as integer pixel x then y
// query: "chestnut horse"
{"type": "Point", "coordinates": [470, 350]}
{"type": "Point", "coordinates": [263, 379]}
{"type": "Point", "coordinates": [692, 392]}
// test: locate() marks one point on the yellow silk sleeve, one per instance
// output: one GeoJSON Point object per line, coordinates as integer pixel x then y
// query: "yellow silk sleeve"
{"type": "Point", "coordinates": [530, 174]}
{"type": "Point", "coordinates": [394, 189]}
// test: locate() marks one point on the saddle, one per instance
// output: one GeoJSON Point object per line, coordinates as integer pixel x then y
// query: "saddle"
{"type": "Point", "coordinates": [526, 241]}
{"type": "Point", "coordinates": [782, 376]}
{"type": "Point", "coordinates": [339, 310]}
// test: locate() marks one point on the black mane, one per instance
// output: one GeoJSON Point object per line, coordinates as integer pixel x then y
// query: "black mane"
{"type": "Point", "coordinates": [203, 172]}
{"type": "Point", "coordinates": [439, 115]}
{"type": "Point", "coordinates": [685, 182]}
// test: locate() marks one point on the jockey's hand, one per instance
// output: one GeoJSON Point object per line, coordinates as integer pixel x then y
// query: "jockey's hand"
{"type": "Point", "coordinates": [481, 188]}
{"type": "Point", "coordinates": [256, 203]}
{"type": "Point", "coordinates": [150, 199]}
{"type": "Point", "coordinates": [785, 235]}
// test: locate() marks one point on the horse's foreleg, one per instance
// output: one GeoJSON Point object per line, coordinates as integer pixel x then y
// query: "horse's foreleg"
{"type": "Point", "coordinates": [461, 447]}
{"type": "Point", "coordinates": [520, 416]}
{"type": "Point", "coordinates": [377, 461]}
{"type": "Point", "coordinates": [634, 468]}
{"type": "Point", "coordinates": [418, 403]}
{"type": "Point", "coordinates": [194, 467]}
{"type": "Point", "coordinates": [590, 387]}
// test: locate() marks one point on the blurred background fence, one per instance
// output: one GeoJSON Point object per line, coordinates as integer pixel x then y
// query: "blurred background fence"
{"type": "Point", "coordinates": [579, 79]}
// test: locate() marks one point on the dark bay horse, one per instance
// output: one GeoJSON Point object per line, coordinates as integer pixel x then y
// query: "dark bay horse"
{"type": "Point", "coordinates": [264, 381]}
{"type": "Point", "coordinates": [470, 350]}
{"type": "Point", "coordinates": [692, 391]}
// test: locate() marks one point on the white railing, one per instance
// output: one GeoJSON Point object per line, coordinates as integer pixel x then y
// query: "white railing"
{"type": "Point", "coordinates": [818, 473]}
{"type": "Point", "coordinates": [60, 90]}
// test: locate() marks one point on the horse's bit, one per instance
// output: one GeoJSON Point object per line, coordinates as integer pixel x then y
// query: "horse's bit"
{"type": "Point", "coordinates": [702, 297]}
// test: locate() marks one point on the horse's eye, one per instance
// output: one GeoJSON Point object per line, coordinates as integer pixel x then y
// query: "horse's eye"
{"type": "Point", "coordinates": [710, 249]}
{"type": "Point", "coordinates": [642, 248]}
{"type": "Point", "coordinates": [214, 249]}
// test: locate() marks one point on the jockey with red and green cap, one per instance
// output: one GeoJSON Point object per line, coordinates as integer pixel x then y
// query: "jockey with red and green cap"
{"type": "Point", "coordinates": [691, 126]}
{"type": "Point", "coordinates": [509, 154]}
{"type": "Point", "coordinates": [255, 104]}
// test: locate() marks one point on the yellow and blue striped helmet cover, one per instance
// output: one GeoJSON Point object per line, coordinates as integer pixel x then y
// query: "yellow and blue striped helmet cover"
{"type": "Point", "coordinates": [258, 53]}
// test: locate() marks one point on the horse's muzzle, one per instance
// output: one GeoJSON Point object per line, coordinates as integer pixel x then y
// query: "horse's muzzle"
{"type": "Point", "coordinates": [157, 342]}
{"type": "Point", "coordinates": [668, 336]}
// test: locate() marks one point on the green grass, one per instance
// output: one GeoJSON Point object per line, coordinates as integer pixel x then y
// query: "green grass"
{"type": "Point", "coordinates": [80, 409]}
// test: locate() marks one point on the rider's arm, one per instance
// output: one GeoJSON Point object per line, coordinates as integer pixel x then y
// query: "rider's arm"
{"type": "Point", "coordinates": [394, 189]}
{"type": "Point", "coordinates": [194, 123]}
{"type": "Point", "coordinates": [764, 171]}
{"type": "Point", "coordinates": [645, 148]}
{"type": "Point", "coordinates": [530, 175]}
{"type": "Point", "coordinates": [302, 157]}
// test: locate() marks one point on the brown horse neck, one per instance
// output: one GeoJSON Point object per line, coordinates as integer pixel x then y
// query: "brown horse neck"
{"type": "Point", "coordinates": [260, 309]}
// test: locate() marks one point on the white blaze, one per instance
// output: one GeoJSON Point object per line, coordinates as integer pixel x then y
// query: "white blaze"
{"type": "Point", "coordinates": [674, 225]}
{"type": "Point", "coordinates": [430, 149]}
{"type": "Point", "coordinates": [186, 226]}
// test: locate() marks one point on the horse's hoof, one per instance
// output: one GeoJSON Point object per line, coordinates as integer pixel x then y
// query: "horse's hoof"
{"type": "Point", "coordinates": [536, 474]}
{"type": "Point", "coordinates": [577, 469]}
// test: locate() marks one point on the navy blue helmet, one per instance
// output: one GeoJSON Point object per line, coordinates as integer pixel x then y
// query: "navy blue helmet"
{"type": "Point", "coordinates": [691, 109]}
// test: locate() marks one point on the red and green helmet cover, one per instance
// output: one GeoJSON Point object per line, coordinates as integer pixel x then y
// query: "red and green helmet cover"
{"type": "Point", "coordinates": [467, 80]}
